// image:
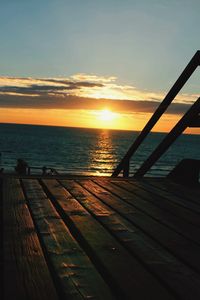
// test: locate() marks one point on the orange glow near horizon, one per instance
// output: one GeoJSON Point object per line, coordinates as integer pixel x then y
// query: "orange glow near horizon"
{"type": "Point", "coordinates": [106, 115]}
{"type": "Point", "coordinates": [88, 101]}
{"type": "Point", "coordinates": [104, 118]}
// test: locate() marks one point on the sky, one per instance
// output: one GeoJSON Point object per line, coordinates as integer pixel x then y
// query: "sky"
{"type": "Point", "coordinates": [90, 63]}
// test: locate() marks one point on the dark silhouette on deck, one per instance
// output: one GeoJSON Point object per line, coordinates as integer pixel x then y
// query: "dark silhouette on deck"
{"type": "Point", "coordinates": [21, 167]}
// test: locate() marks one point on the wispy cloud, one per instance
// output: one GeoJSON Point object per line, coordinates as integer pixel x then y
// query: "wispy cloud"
{"type": "Point", "coordinates": [82, 91]}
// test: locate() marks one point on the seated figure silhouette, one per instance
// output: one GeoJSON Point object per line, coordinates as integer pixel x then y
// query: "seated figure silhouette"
{"type": "Point", "coordinates": [21, 166]}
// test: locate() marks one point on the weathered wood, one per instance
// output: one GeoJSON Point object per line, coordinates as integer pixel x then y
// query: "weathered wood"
{"type": "Point", "coordinates": [184, 209]}
{"type": "Point", "coordinates": [135, 235]}
{"type": "Point", "coordinates": [75, 274]}
{"type": "Point", "coordinates": [160, 262]}
{"type": "Point", "coordinates": [174, 242]}
{"type": "Point", "coordinates": [182, 191]}
{"type": "Point", "coordinates": [26, 275]}
{"type": "Point", "coordinates": [123, 272]}
{"type": "Point", "coordinates": [146, 202]}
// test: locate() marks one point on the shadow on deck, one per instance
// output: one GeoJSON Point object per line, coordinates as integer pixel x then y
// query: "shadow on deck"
{"type": "Point", "coordinates": [100, 238]}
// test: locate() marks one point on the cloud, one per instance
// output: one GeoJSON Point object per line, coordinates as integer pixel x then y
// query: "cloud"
{"type": "Point", "coordinates": [82, 91]}
{"type": "Point", "coordinates": [93, 78]}
{"type": "Point", "coordinates": [75, 102]}
{"type": "Point", "coordinates": [38, 86]}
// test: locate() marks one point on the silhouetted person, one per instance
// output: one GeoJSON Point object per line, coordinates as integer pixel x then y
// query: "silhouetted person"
{"type": "Point", "coordinates": [21, 166]}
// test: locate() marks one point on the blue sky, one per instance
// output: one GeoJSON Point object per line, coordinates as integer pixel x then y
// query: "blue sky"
{"type": "Point", "coordinates": [145, 43]}
{"type": "Point", "coordinates": [65, 62]}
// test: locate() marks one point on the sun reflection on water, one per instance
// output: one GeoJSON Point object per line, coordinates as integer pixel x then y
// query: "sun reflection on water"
{"type": "Point", "coordinates": [103, 157]}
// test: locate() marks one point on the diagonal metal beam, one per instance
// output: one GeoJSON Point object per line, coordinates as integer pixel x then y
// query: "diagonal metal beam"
{"type": "Point", "coordinates": [187, 72]}
{"type": "Point", "coordinates": [182, 124]}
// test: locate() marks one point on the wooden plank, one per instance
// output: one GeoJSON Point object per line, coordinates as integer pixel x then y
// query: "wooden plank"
{"type": "Point", "coordinates": [123, 272]}
{"type": "Point", "coordinates": [75, 274]}
{"type": "Point", "coordinates": [155, 207]}
{"type": "Point", "coordinates": [174, 242]}
{"type": "Point", "coordinates": [188, 193]}
{"type": "Point", "coordinates": [182, 208]}
{"type": "Point", "coordinates": [26, 275]}
{"type": "Point", "coordinates": [178, 277]}
{"type": "Point", "coordinates": [171, 195]}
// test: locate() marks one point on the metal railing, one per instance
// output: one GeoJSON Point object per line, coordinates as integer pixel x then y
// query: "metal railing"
{"type": "Point", "coordinates": [124, 164]}
{"type": "Point", "coordinates": [44, 170]}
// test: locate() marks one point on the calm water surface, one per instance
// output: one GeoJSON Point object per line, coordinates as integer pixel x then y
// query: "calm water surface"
{"type": "Point", "coordinates": [86, 151]}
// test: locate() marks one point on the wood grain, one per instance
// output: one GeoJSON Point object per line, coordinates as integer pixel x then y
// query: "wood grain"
{"type": "Point", "coordinates": [122, 271]}
{"type": "Point", "coordinates": [26, 275]}
{"type": "Point", "coordinates": [75, 274]}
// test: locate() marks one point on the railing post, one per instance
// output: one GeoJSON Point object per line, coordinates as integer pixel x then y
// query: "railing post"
{"type": "Point", "coordinates": [185, 75]}
{"type": "Point", "coordinates": [126, 168]}
{"type": "Point", "coordinates": [29, 170]}
{"type": "Point", "coordinates": [182, 124]}
{"type": "Point", "coordinates": [44, 170]}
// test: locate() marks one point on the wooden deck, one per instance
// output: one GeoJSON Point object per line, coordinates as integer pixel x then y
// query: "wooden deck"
{"type": "Point", "coordinates": [100, 238]}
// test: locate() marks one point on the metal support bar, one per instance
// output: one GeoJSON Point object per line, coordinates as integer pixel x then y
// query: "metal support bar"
{"type": "Point", "coordinates": [190, 68]}
{"type": "Point", "coordinates": [126, 169]}
{"type": "Point", "coordinates": [170, 138]}
{"type": "Point", "coordinates": [195, 123]}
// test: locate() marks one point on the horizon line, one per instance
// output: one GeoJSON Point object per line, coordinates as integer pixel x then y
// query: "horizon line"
{"type": "Point", "coordinates": [98, 128]}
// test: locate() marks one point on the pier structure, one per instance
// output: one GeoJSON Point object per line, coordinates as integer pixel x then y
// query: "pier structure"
{"type": "Point", "coordinates": [70, 237]}
{"type": "Point", "coordinates": [100, 238]}
{"type": "Point", "coordinates": [190, 119]}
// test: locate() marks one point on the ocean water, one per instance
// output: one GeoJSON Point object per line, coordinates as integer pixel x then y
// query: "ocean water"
{"type": "Point", "coordinates": [87, 151]}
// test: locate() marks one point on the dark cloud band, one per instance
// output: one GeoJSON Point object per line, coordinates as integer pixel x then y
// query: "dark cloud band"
{"type": "Point", "coordinates": [73, 102]}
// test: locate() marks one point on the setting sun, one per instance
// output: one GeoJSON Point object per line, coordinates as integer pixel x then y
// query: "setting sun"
{"type": "Point", "coordinates": [106, 115]}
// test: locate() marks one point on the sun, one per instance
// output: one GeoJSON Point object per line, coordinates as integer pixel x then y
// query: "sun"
{"type": "Point", "coordinates": [105, 118]}
{"type": "Point", "coordinates": [106, 115]}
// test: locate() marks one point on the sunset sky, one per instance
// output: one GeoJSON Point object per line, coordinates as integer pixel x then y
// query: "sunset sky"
{"type": "Point", "coordinates": [99, 64]}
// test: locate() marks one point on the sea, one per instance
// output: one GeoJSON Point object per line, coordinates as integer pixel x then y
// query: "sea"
{"type": "Point", "coordinates": [83, 151]}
